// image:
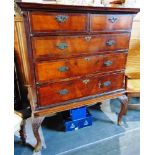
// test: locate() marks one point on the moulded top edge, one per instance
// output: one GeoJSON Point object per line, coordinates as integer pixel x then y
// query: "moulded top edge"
{"type": "Point", "coordinates": [41, 6]}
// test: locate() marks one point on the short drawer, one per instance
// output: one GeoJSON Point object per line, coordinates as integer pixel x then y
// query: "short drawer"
{"type": "Point", "coordinates": [110, 22]}
{"type": "Point", "coordinates": [74, 89]}
{"type": "Point", "coordinates": [54, 70]}
{"type": "Point", "coordinates": [58, 22]}
{"type": "Point", "coordinates": [67, 46]}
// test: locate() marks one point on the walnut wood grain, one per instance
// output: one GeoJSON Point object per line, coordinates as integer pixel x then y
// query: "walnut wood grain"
{"type": "Point", "coordinates": [21, 55]}
{"type": "Point", "coordinates": [46, 71]}
{"type": "Point", "coordinates": [89, 44]}
{"type": "Point", "coordinates": [48, 22]}
{"type": "Point", "coordinates": [73, 8]}
{"type": "Point", "coordinates": [46, 64]}
{"type": "Point", "coordinates": [110, 22]}
{"type": "Point", "coordinates": [124, 107]}
{"type": "Point", "coordinates": [76, 104]}
{"type": "Point", "coordinates": [63, 91]}
{"type": "Point", "coordinates": [36, 123]}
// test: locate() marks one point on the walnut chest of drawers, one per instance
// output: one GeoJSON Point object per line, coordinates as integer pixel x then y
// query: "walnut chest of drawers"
{"type": "Point", "coordinates": [76, 56]}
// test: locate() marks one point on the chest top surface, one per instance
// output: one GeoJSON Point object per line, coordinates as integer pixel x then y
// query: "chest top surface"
{"type": "Point", "coordinates": [49, 7]}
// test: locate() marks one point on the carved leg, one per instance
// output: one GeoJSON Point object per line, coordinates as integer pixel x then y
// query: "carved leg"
{"type": "Point", "coordinates": [36, 123]}
{"type": "Point", "coordinates": [22, 132]}
{"type": "Point", "coordinates": [124, 107]}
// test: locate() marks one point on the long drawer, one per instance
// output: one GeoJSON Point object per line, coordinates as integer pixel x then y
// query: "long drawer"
{"type": "Point", "coordinates": [74, 89]}
{"type": "Point", "coordinates": [66, 46]}
{"type": "Point", "coordinates": [46, 71]}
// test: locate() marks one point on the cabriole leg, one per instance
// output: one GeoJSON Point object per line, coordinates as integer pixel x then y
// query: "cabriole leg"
{"type": "Point", "coordinates": [22, 132]}
{"type": "Point", "coordinates": [124, 107]}
{"type": "Point", "coordinates": [36, 123]}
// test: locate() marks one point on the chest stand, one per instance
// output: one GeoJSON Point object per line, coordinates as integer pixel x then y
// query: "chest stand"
{"type": "Point", "coordinates": [36, 121]}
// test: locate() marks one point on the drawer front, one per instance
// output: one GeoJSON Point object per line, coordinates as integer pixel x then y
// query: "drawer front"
{"type": "Point", "coordinates": [63, 91]}
{"type": "Point", "coordinates": [111, 22]}
{"type": "Point", "coordinates": [46, 71]}
{"type": "Point", "coordinates": [64, 22]}
{"type": "Point", "coordinates": [66, 46]}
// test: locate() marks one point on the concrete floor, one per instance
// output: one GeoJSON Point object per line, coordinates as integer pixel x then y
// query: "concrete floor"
{"type": "Point", "coordinates": [104, 137]}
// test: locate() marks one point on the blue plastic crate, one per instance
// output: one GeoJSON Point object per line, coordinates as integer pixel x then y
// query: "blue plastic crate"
{"type": "Point", "coordinates": [71, 125]}
{"type": "Point", "coordinates": [78, 113]}
{"type": "Point", "coordinates": [87, 121]}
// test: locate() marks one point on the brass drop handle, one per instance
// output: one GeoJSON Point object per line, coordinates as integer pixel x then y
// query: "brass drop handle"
{"type": "Point", "coordinates": [86, 81]}
{"type": "Point", "coordinates": [110, 42]}
{"type": "Point", "coordinates": [87, 58]}
{"type": "Point", "coordinates": [62, 46]}
{"type": "Point", "coordinates": [61, 18]}
{"type": "Point", "coordinates": [104, 84]}
{"type": "Point", "coordinates": [112, 19]}
{"type": "Point", "coordinates": [63, 68]}
{"type": "Point", "coordinates": [63, 91]}
{"type": "Point", "coordinates": [108, 63]}
{"type": "Point", "coordinates": [88, 38]}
